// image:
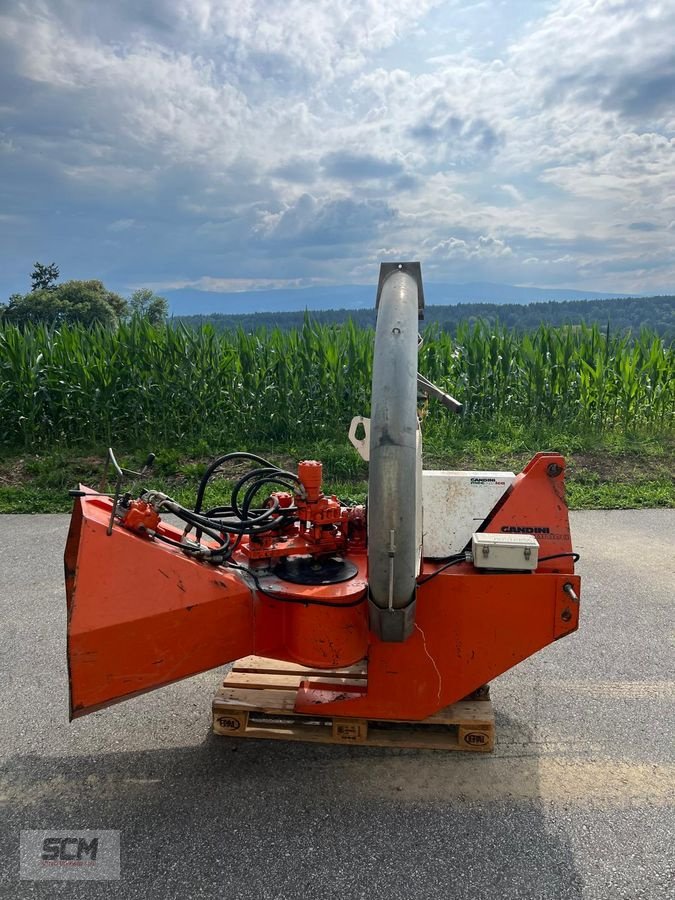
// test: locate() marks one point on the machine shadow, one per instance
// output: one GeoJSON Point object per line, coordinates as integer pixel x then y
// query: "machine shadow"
{"type": "Point", "coordinates": [266, 818]}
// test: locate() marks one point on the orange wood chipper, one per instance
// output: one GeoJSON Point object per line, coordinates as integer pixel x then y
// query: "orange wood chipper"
{"type": "Point", "coordinates": [441, 582]}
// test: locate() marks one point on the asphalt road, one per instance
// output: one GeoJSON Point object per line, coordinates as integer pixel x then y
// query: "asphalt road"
{"type": "Point", "coordinates": [578, 800]}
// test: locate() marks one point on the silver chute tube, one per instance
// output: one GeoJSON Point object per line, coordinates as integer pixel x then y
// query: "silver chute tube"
{"type": "Point", "coordinates": [393, 544]}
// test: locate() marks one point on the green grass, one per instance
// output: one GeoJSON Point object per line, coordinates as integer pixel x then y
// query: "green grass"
{"type": "Point", "coordinates": [645, 494]}
{"type": "Point", "coordinates": [621, 472]}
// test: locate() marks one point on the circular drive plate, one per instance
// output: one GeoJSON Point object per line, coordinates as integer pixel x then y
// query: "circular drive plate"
{"type": "Point", "coordinates": [315, 570]}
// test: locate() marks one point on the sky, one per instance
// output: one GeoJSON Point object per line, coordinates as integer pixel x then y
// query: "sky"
{"type": "Point", "coordinates": [230, 145]}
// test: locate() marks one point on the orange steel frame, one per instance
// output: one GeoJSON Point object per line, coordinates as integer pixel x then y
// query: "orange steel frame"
{"type": "Point", "coordinates": [141, 614]}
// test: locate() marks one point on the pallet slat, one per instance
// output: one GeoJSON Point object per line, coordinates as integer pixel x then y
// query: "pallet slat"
{"type": "Point", "coordinates": [266, 666]}
{"type": "Point", "coordinates": [257, 681]}
{"type": "Point", "coordinates": [257, 700]}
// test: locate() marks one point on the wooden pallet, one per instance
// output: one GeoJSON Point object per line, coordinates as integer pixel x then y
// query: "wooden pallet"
{"type": "Point", "coordinates": [257, 700]}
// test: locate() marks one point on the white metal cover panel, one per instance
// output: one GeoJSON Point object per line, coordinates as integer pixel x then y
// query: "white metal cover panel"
{"type": "Point", "coordinates": [455, 504]}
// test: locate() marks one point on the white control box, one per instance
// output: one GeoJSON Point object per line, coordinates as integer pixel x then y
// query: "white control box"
{"type": "Point", "coordinates": [513, 552]}
{"type": "Point", "coordinates": [455, 504]}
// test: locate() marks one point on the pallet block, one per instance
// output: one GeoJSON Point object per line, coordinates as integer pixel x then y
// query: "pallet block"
{"type": "Point", "coordinates": [257, 700]}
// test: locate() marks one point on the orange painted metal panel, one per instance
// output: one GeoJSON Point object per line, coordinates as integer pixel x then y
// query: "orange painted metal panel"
{"type": "Point", "coordinates": [138, 620]}
{"type": "Point", "coordinates": [470, 628]}
{"type": "Point", "coordinates": [141, 614]}
{"type": "Point", "coordinates": [536, 505]}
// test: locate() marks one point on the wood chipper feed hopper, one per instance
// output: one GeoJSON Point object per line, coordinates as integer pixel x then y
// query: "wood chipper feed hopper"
{"type": "Point", "coordinates": [442, 582]}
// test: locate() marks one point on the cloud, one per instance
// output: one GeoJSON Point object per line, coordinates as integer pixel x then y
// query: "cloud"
{"type": "Point", "coordinates": [608, 54]}
{"type": "Point", "coordinates": [323, 38]}
{"type": "Point", "coordinates": [297, 169]}
{"type": "Point", "coordinates": [511, 191]}
{"type": "Point", "coordinates": [232, 285]}
{"type": "Point", "coordinates": [443, 128]}
{"type": "Point", "coordinates": [347, 166]}
{"type": "Point", "coordinates": [177, 141]}
{"type": "Point", "coordinates": [314, 221]}
{"type": "Point", "coordinates": [644, 93]}
{"type": "Point", "coordinates": [121, 224]}
{"type": "Point", "coordinates": [484, 246]}
{"type": "Point", "coordinates": [643, 226]}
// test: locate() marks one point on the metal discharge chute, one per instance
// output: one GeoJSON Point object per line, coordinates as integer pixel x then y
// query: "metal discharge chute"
{"type": "Point", "coordinates": [445, 580]}
{"type": "Point", "coordinates": [394, 479]}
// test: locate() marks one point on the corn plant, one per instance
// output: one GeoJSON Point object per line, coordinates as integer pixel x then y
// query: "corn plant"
{"type": "Point", "coordinates": [145, 386]}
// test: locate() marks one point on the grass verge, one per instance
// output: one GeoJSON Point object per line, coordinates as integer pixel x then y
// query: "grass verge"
{"type": "Point", "coordinates": [619, 473]}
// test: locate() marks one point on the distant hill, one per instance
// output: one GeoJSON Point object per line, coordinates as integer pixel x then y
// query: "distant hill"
{"type": "Point", "coordinates": [657, 313]}
{"type": "Point", "coordinates": [188, 301]}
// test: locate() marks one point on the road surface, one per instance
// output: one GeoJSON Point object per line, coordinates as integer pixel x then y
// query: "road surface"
{"type": "Point", "coordinates": [578, 801]}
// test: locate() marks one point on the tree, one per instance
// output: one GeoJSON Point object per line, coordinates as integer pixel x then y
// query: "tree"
{"type": "Point", "coordinates": [88, 302]}
{"type": "Point", "coordinates": [44, 278]}
{"type": "Point", "coordinates": [145, 304]}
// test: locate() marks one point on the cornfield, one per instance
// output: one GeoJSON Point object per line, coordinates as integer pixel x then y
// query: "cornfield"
{"type": "Point", "coordinates": [141, 386]}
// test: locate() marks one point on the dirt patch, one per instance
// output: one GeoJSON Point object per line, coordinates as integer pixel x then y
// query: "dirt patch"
{"type": "Point", "coordinates": [13, 472]}
{"type": "Point", "coordinates": [623, 467]}
{"type": "Point", "coordinates": [237, 467]}
{"type": "Point", "coordinates": [597, 465]}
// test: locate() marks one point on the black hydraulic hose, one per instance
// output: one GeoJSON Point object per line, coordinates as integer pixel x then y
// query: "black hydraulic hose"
{"type": "Point", "coordinates": [219, 554]}
{"type": "Point", "coordinates": [253, 490]}
{"type": "Point", "coordinates": [452, 561]}
{"type": "Point", "coordinates": [218, 511]}
{"type": "Point", "coordinates": [214, 553]}
{"type": "Point", "coordinates": [272, 474]}
{"type": "Point", "coordinates": [252, 526]}
{"type": "Point", "coordinates": [206, 477]}
{"type": "Point", "coordinates": [259, 524]}
{"type": "Point", "coordinates": [167, 540]}
{"type": "Point", "coordinates": [227, 525]}
{"type": "Point", "coordinates": [574, 556]}
{"type": "Point", "coordinates": [461, 557]}
{"type": "Point", "coordinates": [206, 525]}
{"type": "Point", "coordinates": [268, 469]}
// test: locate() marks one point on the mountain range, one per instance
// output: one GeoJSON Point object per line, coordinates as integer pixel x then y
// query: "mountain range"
{"type": "Point", "coordinates": [190, 301]}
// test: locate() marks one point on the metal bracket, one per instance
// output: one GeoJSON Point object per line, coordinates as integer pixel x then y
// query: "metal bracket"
{"type": "Point", "coordinates": [362, 445]}
{"type": "Point", "coordinates": [120, 475]}
{"type": "Point", "coordinates": [429, 389]}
